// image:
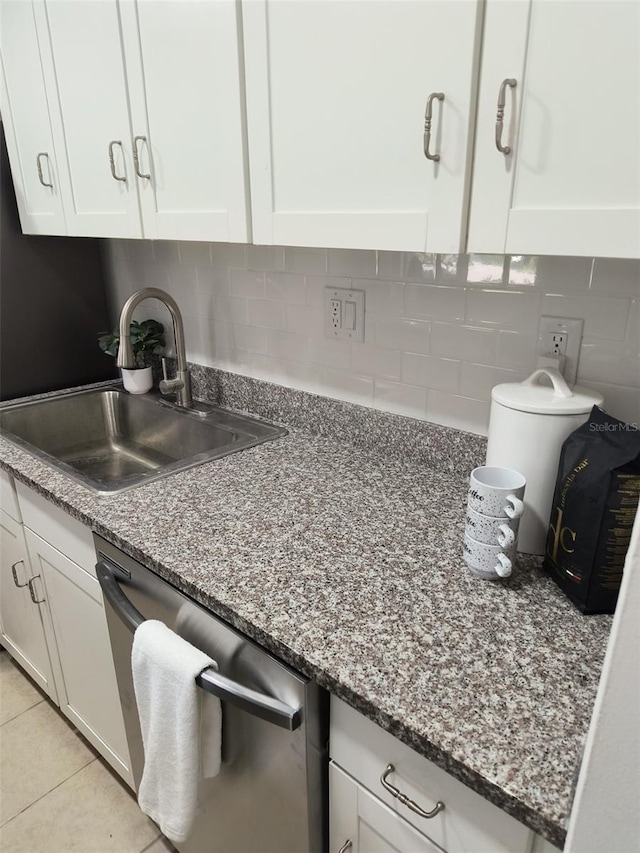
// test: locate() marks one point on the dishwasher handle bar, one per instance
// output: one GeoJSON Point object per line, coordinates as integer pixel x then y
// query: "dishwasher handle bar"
{"type": "Point", "coordinates": [256, 703]}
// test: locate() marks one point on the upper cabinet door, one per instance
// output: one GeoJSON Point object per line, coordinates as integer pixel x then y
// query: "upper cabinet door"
{"type": "Point", "coordinates": [571, 183]}
{"type": "Point", "coordinates": [84, 70]}
{"type": "Point", "coordinates": [336, 98]}
{"type": "Point", "coordinates": [187, 106]}
{"type": "Point", "coordinates": [25, 116]}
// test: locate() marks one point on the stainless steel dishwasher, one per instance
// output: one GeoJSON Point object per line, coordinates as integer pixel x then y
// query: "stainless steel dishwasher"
{"type": "Point", "coordinates": [271, 793]}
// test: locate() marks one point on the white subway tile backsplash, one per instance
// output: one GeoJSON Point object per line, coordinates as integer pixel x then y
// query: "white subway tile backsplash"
{"type": "Point", "coordinates": [602, 360]}
{"type": "Point", "coordinates": [435, 301]}
{"type": "Point", "coordinates": [427, 371]}
{"type": "Point", "coordinates": [371, 360]}
{"type": "Point", "coordinates": [265, 314]}
{"type": "Point", "coordinates": [316, 285]}
{"type": "Point", "coordinates": [616, 277]}
{"type": "Point", "coordinates": [402, 333]}
{"type": "Point", "coordinates": [265, 258]}
{"type": "Point", "coordinates": [382, 297]}
{"type": "Point", "coordinates": [195, 253]}
{"type": "Point", "coordinates": [167, 252]}
{"type": "Point", "coordinates": [604, 316]}
{"type": "Point", "coordinates": [286, 287]}
{"type": "Point", "coordinates": [517, 350]}
{"type": "Point", "coordinates": [228, 255]}
{"type": "Point", "coordinates": [247, 283]}
{"type": "Point", "coordinates": [477, 380]}
{"type": "Point", "coordinates": [459, 412]}
{"type": "Point", "coordinates": [230, 309]}
{"type": "Point", "coordinates": [250, 338]}
{"type": "Point", "coordinates": [311, 261]}
{"type": "Point", "coordinates": [440, 331]}
{"type": "Point", "coordinates": [563, 275]}
{"type": "Point", "coordinates": [305, 319]}
{"type": "Point", "coordinates": [356, 263]}
{"type": "Point", "coordinates": [400, 399]}
{"type": "Point", "coordinates": [468, 343]}
{"type": "Point", "coordinates": [503, 308]}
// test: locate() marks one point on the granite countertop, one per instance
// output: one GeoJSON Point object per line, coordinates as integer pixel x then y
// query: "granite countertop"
{"type": "Point", "coordinates": [345, 561]}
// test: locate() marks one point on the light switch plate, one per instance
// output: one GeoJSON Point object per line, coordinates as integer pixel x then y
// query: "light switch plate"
{"type": "Point", "coordinates": [340, 316]}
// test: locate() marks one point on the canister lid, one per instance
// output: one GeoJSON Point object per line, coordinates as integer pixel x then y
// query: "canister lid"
{"type": "Point", "coordinates": [554, 399]}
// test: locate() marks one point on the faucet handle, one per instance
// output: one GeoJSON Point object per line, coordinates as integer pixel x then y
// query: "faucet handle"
{"type": "Point", "coordinates": [165, 374]}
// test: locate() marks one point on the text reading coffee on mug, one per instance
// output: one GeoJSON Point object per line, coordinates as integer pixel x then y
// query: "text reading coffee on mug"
{"type": "Point", "coordinates": [496, 491]}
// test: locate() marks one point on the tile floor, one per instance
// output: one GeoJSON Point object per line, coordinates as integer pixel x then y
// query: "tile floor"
{"type": "Point", "coordinates": [56, 794]}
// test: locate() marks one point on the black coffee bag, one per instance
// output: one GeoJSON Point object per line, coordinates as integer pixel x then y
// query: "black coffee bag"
{"type": "Point", "coordinates": [594, 506]}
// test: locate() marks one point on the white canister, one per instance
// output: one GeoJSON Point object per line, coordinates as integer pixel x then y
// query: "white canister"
{"type": "Point", "coordinates": [528, 425]}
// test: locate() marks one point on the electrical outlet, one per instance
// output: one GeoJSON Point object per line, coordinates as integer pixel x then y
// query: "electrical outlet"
{"type": "Point", "coordinates": [344, 314]}
{"type": "Point", "coordinates": [560, 338]}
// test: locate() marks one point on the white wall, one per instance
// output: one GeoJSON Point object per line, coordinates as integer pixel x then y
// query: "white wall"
{"type": "Point", "coordinates": [440, 330]}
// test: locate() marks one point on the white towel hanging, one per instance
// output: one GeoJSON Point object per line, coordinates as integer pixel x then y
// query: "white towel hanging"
{"type": "Point", "coordinates": [171, 708]}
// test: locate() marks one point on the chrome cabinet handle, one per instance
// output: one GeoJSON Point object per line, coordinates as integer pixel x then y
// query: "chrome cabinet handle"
{"type": "Point", "coordinates": [112, 162]}
{"type": "Point", "coordinates": [136, 158]}
{"type": "Point", "coordinates": [259, 704]}
{"type": "Point", "coordinates": [502, 97]}
{"type": "Point", "coordinates": [39, 167]}
{"type": "Point", "coordinates": [15, 574]}
{"type": "Point", "coordinates": [439, 96]}
{"type": "Point", "coordinates": [346, 846]}
{"type": "Point", "coordinates": [32, 592]}
{"type": "Point", "coordinates": [395, 792]}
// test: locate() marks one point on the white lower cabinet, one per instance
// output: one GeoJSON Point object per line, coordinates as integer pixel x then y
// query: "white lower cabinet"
{"type": "Point", "coordinates": [20, 617]}
{"type": "Point", "coordinates": [53, 620]}
{"type": "Point", "coordinates": [88, 692]}
{"type": "Point", "coordinates": [363, 812]}
{"type": "Point", "coordinates": [360, 823]}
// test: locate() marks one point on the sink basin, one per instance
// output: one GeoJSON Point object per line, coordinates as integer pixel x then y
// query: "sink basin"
{"type": "Point", "coordinates": [111, 441]}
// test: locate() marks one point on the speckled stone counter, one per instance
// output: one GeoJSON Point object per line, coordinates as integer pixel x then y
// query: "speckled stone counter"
{"type": "Point", "coordinates": [345, 561]}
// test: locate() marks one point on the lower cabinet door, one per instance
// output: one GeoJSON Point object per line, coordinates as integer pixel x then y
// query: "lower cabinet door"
{"type": "Point", "coordinates": [77, 629]}
{"type": "Point", "coordinates": [20, 618]}
{"type": "Point", "coordinates": [360, 823]}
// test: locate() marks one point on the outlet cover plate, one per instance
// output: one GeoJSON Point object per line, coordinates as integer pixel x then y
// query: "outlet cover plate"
{"type": "Point", "coordinates": [337, 330]}
{"type": "Point", "coordinates": [572, 328]}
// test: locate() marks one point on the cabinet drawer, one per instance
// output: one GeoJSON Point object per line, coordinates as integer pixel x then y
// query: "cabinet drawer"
{"type": "Point", "coordinates": [55, 526]}
{"type": "Point", "coordinates": [468, 823]}
{"type": "Point", "coordinates": [361, 820]}
{"type": "Point", "coordinates": [8, 496]}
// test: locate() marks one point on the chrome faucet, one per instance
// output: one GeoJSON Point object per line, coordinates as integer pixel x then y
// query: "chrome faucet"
{"type": "Point", "coordinates": [182, 383]}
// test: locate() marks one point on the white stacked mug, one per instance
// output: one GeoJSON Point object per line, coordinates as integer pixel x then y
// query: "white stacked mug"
{"type": "Point", "coordinates": [494, 508]}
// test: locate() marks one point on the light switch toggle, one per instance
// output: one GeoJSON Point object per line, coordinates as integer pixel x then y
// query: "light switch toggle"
{"type": "Point", "coordinates": [350, 315]}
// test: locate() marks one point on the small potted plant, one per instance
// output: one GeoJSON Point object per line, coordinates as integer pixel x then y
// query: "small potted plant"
{"type": "Point", "coordinates": [146, 338]}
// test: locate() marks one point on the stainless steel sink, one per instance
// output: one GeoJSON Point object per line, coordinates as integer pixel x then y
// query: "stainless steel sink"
{"type": "Point", "coordinates": [111, 441]}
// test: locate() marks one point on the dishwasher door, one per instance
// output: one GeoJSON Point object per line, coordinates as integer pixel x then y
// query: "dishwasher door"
{"type": "Point", "coordinates": [271, 793]}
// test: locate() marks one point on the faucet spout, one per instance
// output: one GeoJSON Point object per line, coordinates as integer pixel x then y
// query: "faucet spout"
{"type": "Point", "coordinates": [182, 383]}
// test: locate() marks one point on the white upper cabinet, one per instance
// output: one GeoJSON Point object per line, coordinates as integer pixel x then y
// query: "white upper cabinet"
{"type": "Point", "coordinates": [150, 115]}
{"type": "Point", "coordinates": [25, 117]}
{"type": "Point", "coordinates": [85, 72]}
{"type": "Point", "coordinates": [571, 183]}
{"type": "Point", "coordinates": [336, 98]}
{"type": "Point", "coordinates": [183, 62]}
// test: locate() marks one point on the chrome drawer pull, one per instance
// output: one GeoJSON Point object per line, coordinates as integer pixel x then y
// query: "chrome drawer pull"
{"type": "Point", "coordinates": [31, 590]}
{"type": "Point", "coordinates": [503, 149]}
{"type": "Point", "coordinates": [39, 167]}
{"type": "Point", "coordinates": [136, 157]}
{"type": "Point", "coordinates": [395, 792]}
{"type": "Point", "coordinates": [427, 125]}
{"type": "Point", "coordinates": [112, 162]}
{"type": "Point", "coordinates": [346, 846]}
{"type": "Point", "coordinates": [15, 574]}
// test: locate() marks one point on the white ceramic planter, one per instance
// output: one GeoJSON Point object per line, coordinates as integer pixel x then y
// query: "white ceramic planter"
{"type": "Point", "coordinates": [137, 380]}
